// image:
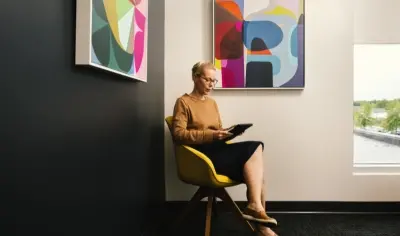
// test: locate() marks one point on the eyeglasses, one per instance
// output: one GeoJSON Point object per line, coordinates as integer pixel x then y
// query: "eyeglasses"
{"type": "Point", "coordinates": [210, 80]}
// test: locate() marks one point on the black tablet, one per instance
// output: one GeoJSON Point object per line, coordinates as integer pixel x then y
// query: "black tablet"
{"type": "Point", "coordinates": [239, 128]}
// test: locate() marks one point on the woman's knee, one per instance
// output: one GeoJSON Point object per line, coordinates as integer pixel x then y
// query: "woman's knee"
{"type": "Point", "coordinates": [261, 145]}
{"type": "Point", "coordinates": [259, 150]}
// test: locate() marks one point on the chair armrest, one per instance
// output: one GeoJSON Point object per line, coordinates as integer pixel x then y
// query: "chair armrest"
{"type": "Point", "coordinates": [201, 156]}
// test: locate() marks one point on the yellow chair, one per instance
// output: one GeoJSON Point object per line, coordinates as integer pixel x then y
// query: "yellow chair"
{"type": "Point", "coordinates": [195, 168]}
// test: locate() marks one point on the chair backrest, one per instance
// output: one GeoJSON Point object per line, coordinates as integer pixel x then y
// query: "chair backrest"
{"type": "Point", "coordinates": [168, 120]}
{"type": "Point", "coordinates": [186, 162]}
{"type": "Point", "coordinates": [178, 156]}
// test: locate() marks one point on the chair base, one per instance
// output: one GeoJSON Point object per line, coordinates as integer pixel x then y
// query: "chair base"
{"type": "Point", "coordinates": [212, 194]}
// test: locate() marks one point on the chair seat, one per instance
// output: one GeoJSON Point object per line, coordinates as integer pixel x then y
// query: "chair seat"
{"type": "Point", "coordinates": [225, 180]}
{"type": "Point", "coordinates": [197, 169]}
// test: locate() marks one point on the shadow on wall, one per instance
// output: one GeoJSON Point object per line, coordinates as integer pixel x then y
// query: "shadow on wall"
{"type": "Point", "coordinates": [102, 74]}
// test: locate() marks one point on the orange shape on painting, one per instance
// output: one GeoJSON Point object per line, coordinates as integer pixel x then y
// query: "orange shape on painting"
{"type": "Point", "coordinates": [263, 52]}
{"type": "Point", "coordinates": [232, 8]}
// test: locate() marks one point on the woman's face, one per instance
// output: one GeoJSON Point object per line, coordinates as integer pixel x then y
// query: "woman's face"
{"type": "Point", "coordinates": [206, 82]}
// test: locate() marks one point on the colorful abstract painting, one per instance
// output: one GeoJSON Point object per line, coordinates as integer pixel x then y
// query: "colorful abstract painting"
{"type": "Point", "coordinates": [259, 43]}
{"type": "Point", "coordinates": [118, 36]}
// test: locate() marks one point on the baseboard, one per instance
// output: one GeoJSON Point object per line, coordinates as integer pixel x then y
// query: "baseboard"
{"type": "Point", "coordinates": [308, 206]}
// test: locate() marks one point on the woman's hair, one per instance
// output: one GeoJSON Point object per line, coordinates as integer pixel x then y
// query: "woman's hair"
{"type": "Point", "coordinates": [199, 67]}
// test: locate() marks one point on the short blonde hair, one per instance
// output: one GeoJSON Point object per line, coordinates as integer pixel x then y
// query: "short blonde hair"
{"type": "Point", "coordinates": [199, 67]}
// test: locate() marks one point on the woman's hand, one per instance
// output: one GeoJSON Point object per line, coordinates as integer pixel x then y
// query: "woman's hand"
{"type": "Point", "coordinates": [221, 134]}
{"type": "Point", "coordinates": [231, 128]}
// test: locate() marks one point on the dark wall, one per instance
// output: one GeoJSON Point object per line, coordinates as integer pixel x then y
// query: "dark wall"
{"type": "Point", "coordinates": [81, 149]}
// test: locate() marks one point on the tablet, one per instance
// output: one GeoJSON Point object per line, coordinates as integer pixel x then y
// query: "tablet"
{"type": "Point", "coordinates": [239, 128]}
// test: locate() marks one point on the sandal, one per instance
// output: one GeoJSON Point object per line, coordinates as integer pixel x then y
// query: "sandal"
{"type": "Point", "coordinates": [258, 217]}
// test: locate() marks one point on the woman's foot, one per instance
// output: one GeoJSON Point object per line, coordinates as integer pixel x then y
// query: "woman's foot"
{"type": "Point", "coordinates": [265, 231]}
{"type": "Point", "coordinates": [258, 215]}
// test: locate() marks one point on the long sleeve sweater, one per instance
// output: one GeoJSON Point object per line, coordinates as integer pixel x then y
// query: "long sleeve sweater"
{"type": "Point", "coordinates": [195, 120]}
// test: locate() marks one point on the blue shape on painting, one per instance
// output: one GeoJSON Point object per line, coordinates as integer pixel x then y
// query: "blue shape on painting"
{"type": "Point", "coordinates": [240, 3]}
{"type": "Point", "coordinates": [268, 31]}
{"type": "Point", "coordinates": [132, 70]}
{"type": "Point", "coordinates": [274, 60]}
{"type": "Point", "coordinates": [93, 57]}
{"type": "Point", "coordinates": [293, 42]}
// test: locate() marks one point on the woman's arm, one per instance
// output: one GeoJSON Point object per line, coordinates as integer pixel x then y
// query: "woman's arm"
{"type": "Point", "coordinates": [179, 127]}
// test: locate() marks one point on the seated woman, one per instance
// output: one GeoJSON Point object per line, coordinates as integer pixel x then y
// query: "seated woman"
{"type": "Point", "coordinates": [197, 122]}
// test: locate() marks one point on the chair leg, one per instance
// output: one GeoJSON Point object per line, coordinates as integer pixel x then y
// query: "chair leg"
{"type": "Point", "coordinates": [208, 215]}
{"type": "Point", "coordinates": [214, 208]}
{"type": "Point", "coordinates": [224, 196]}
{"type": "Point", "coordinates": [201, 193]}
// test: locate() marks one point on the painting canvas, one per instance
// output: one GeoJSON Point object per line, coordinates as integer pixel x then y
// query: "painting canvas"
{"type": "Point", "coordinates": [112, 35]}
{"type": "Point", "coordinates": [259, 44]}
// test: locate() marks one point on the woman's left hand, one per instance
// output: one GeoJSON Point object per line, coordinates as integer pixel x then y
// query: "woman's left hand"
{"type": "Point", "coordinates": [228, 129]}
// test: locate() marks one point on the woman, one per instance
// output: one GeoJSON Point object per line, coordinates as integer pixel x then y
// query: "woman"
{"type": "Point", "coordinates": [197, 122]}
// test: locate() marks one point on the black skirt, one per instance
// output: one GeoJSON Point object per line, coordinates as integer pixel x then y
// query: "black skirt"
{"type": "Point", "coordinates": [229, 159]}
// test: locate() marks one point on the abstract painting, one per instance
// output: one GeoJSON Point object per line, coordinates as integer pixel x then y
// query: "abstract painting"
{"type": "Point", "coordinates": [112, 35]}
{"type": "Point", "coordinates": [259, 44]}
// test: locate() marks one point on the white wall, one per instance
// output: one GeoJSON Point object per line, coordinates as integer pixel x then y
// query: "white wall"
{"type": "Point", "coordinates": [308, 134]}
{"type": "Point", "coordinates": [376, 21]}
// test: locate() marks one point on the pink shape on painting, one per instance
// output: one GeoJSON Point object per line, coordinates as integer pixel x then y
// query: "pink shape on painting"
{"type": "Point", "coordinates": [138, 49]}
{"type": "Point", "coordinates": [239, 26]}
{"type": "Point", "coordinates": [140, 19]}
{"type": "Point", "coordinates": [224, 63]}
{"type": "Point", "coordinates": [229, 78]}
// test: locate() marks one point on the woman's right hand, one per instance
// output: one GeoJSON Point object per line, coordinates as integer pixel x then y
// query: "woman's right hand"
{"type": "Point", "coordinates": [221, 134]}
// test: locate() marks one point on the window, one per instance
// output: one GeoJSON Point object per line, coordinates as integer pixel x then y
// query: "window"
{"type": "Point", "coordinates": [376, 105]}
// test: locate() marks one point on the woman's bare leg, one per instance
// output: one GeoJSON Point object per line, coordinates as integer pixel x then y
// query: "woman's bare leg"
{"type": "Point", "coordinates": [252, 196]}
{"type": "Point", "coordinates": [253, 175]}
{"type": "Point", "coordinates": [263, 198]}
{"type": "Point", "coordinates": [265, 231]}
